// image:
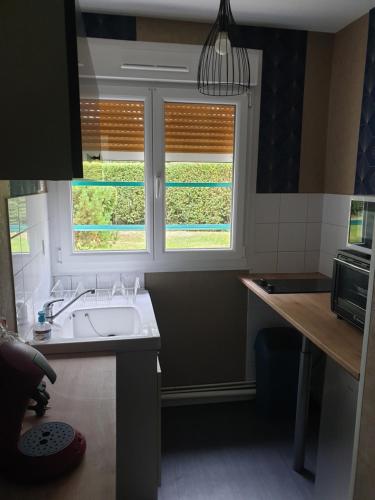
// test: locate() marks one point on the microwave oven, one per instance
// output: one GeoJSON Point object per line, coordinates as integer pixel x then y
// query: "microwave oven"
{"type": "Point", "coordinates": [351, 271]}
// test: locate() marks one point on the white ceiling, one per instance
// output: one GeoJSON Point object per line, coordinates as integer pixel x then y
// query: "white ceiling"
{"type": "Point", "coordinates": [315, 15]}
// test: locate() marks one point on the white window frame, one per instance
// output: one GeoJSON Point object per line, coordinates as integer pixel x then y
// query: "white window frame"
{"type": "Point", "coordinates": [176, 256]}
{"type": "Point", "coordinates": [156, 258]}
{"type": "Point", "coordinates": [61, 192]}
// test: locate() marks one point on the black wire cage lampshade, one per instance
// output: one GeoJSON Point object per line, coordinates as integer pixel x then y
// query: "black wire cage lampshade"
{"type": "Point", "coordinates": [223, 70]}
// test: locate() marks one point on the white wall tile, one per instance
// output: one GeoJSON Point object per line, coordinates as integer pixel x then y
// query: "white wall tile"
{"type": "Point", "coordinates": [36, 208]}
{"type": "Point", "coordinates": [326, 263]}
{"type": "Point", "coordinates": [66, 281]}
{"type": "Point", "coordinates": [312, 261]}
{"type": "Point", "coordinates": [292, 237]}
{"type": "Point", "coordinates": [130, 276]}
{"type": "Point", "coordinates": [325, 243]}
{"type": "Point", "coordinates": [293, 207]}
{"type": "Point", "coordinates": [28, 247]}
{"type": "Point", "coordinates": [267, 208]}
{"type": "Point", "coordinates": [45, 243]}
{"type": "Point", "coordinates": [107, 280]}
{"type": "Point", "coordinates": [87, 280]}
{"type": "Point", "coordinates": [336, 209]}
{"type": "Point", "coordinates": [341, 234]}
{"type": "Point", "coordinates": [290, 262]}
{"type": "Point", "coordinates": [33, 276]}
{"type": "Point", "coordinates": [26, 319]}
{"type": "Point", "coordinates": [264, 263]}
{"type": "Point", "coordinates": [266, 237]}
{"type": "Point", "coordinates": [19, 288]}
{"type": "Point", "coordinates": [299, 230]}
{"type": "Point", "coordinates": [32, 242]}
{"type": "Point", "coordinates": [344, 210]}
{"type": "Point", "coordinates": [315, 207]}
{"type": "Point", "coordinates": [31, 261]}
{"type": "Point", "coordinates": [329, 209]}
{"type": "Point", "coordinates": [333, 238]}
{"type": "Point", "coordinates": [313, 235]}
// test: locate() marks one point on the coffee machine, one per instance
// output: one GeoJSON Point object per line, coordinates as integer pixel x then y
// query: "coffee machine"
{"type": "Point", "coordinates": [47, 450]}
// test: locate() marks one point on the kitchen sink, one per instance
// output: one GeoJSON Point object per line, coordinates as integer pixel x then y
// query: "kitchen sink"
{"type": "Point", "coordinates": [107, 322]}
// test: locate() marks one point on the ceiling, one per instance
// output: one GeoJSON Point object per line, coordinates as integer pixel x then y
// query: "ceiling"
{"type": "Point", "coordinates": [314, 15]}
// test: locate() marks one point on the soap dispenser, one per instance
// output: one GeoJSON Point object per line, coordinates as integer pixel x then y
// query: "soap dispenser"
{"type": "Point", "coordinates": [42, 329]}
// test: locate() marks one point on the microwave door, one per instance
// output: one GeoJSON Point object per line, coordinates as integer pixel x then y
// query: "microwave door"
{"type": "Point", "coordinates": [351, 290]}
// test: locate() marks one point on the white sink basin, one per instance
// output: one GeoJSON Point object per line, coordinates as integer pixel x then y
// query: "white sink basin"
{"type": "Point", "coordinates": [107, 322]}
{"type": "Point", "coordinates": [117, 327]}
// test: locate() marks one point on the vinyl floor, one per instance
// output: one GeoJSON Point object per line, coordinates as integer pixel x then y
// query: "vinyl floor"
{"type": "Point", "coordinates": [227, 452]}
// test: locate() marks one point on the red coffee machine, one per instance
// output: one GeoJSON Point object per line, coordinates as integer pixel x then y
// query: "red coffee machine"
{"type": "Point", "coordinates": [47, 450]}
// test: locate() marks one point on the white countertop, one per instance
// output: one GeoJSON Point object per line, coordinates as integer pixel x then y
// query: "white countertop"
{"type": "Point", "coordinates": [62, 340]}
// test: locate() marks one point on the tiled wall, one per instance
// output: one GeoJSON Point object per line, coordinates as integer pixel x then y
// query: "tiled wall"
{"type": "Point", "coordinates": [99, 280]}
{"type": "Point", "coordinates": [334, 229]}
{"type": "Point", "coordinates": [298, 232]}
{"type": "Point", "coordinates": [28, 220]}
{"type": "Point", "coordinates": [287, 232]}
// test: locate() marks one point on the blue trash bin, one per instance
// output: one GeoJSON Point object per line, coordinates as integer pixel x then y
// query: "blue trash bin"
{"type": "Point", "coordinates": [277, 363]}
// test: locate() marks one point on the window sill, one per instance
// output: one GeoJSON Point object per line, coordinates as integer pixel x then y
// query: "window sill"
{"type": "Point", "coordinates": [106, 263]}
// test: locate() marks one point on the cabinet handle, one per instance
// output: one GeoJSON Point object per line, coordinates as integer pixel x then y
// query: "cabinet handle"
{"type": "Point", "coordinates": [352, 266]}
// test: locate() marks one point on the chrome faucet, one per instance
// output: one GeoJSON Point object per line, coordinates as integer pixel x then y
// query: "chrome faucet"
{"type": "Point", "coordinates": [48, 306]}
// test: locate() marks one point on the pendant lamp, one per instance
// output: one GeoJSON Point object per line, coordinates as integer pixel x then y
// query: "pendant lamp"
{"type": "Point", "coordinates": [223, 70]}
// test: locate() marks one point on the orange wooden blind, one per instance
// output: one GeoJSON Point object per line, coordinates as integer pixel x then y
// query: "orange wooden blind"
{"type": "Point", "coordinates": [111, 125]}
{"type": "Point", "coordinates": [199, 128]}
{"type": "Point", "coordinates": [114, 125]}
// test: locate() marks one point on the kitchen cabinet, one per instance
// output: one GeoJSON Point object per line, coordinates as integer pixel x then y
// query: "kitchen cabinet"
{"type": "Point", "coordinates": [336, 436]}
{"type": "Point", "coordinates": [40, 113]}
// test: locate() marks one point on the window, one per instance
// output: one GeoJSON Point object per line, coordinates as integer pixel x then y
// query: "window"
{"type": "Point", "coordinates": [169, 184]}
{"type": "Point", "coordinates": [200, 169]}
{"type": "Point", "coordinates": [109, 205]}
{"type": "Point", "coordinates": [199, 140]}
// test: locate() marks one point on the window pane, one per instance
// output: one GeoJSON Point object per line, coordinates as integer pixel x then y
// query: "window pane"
{"type": "Point", "coordinates": [109, 204]}
{"type": "Point", "coordinates": [199, 175]}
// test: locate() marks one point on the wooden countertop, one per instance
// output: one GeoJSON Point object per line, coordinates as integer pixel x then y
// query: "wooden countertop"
{"type": "Point", "coordinates": [84, 395]}
{"type": "Point", "coordinates": [311, 314]}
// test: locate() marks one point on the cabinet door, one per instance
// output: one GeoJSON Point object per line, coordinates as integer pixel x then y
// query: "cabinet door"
{"type": "Point", "coordinates": [40, 120]}
{"type": "Point", "coordinates": [336, 438]}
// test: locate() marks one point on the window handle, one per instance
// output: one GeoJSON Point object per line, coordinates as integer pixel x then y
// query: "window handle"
{"type": "Point", "coordinates": [157, 186]}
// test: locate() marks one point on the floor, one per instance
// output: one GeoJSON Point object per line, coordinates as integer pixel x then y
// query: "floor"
{"type": "Point", "coordinates": [226, 452]}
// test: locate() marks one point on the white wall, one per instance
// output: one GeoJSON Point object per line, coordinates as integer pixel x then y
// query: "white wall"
{"type": "Point", "coordinates": [334, 229]}
{"type": "Point", "coordinates": [293, 233]}
{"type": "Point", "coordinates": [298, 232]}
{"type": "Point", "coordinates": [287, 232]}
{"type": "Point", "coordinates": [30, 256]}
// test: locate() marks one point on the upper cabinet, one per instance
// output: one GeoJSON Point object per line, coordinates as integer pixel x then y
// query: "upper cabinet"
{"type": "Point", "coordinates": [40, 45]}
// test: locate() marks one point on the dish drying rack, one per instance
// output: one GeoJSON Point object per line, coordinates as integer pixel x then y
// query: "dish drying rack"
{"type": "Point", "coordinates": [101, 296]}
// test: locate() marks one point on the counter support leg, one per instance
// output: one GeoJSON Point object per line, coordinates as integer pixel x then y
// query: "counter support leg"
{"type": "Point", "coordinates": [302, 411]}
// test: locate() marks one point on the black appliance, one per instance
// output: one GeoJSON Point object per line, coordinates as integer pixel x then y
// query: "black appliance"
{"type": "Point", "coordinates": [351, 270]}
{"type": "Point", "coordinates": [47, 450]}
{"type": "Point", "coordinates": [309, 285]}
